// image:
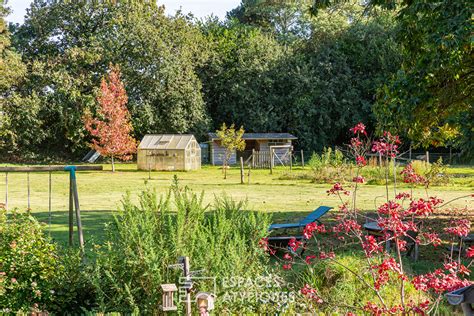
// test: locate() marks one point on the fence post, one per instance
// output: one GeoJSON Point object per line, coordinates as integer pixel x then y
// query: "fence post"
{"type": "Point", "coordinates": [380, 159]}
{"type": "Point", "coordinates": [6, 191]}
{"type": "Point", "coordinates": [271, 161]}
{"type": "Point", "coordinates": [253, 158]}
{"type": "Point", "coordinates": [409, 153]}
{"type": "Point", "coordinates": [248, 175]}
{"type": "Point", "coordinates": [28, 188]}
{"type": "Point", "coordinates": [427, 157]}
{"type": "Point", "coordinates": [291, 160]}
{"type": "Point", "coordinates": [302, 159]}
{"type": "Point", "coordinates": [450, 155]}
{"type": "Point", "coordinates": [241, 170]}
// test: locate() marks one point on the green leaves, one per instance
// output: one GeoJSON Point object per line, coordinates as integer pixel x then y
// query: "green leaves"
{"type": "Point", "coordinates": [68, 47]}
{"type": "Point", "coordinates": [435, 80]}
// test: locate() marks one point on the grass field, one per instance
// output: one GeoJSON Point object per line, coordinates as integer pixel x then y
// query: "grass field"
{"type": "Point", "coordinates": [100, 192]}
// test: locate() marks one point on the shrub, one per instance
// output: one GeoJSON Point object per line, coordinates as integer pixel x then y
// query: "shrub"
{"type": "Point", "coordinates": [145, 239]}
{"type": "Point", "coordinates": [342, 288]}
{"type": "Point", "coordinates": [381, 282]}
{"type": "Point", "coordinates": [28, 263]}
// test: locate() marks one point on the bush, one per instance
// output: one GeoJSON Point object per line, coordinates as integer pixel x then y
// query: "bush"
{"type": "Point", "coordinates": [145, 239]}
{"type": "Point", "coordinates": [28, 263]}
{"type": "Point", "coordinates": [344, 288]}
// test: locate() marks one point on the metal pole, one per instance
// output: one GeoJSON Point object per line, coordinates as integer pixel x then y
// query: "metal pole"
{"type": "Point", "coordinates": [302, 159]}
{"type": "Point", "coordinates": [71, 212]}
{"type": "Point", "coordinates": [28, 186]}
{"type": "Point", "coordinates": [78, 212]}
{"type": "Point", "coordinates": [186, 269]}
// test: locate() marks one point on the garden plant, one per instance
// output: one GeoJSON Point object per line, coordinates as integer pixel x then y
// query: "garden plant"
{"type": "Point", "coordinates": [402, 220]}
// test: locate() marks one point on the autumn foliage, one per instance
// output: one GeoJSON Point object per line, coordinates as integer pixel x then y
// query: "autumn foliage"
{"type": "Point", "coordinates": [403, 224]}
{"type": "Point", "coordinates": [111, 127]}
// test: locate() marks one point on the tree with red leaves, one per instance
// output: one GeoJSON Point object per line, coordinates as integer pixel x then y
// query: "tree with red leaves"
{"type": "Point", "coordinates": [111, 127]}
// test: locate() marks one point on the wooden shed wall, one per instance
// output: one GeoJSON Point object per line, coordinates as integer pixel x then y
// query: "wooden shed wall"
{"type": "Point", "coordinates": [217, 155]}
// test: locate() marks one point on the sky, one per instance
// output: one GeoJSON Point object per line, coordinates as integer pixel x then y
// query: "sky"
{"type": "Point", "coordinates": [200, 8]}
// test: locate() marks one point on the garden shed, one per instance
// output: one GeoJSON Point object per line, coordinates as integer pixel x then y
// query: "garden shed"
{"type": "Point", "coordinates": [169, 152]}
{"type": "Point", "coordinates": [257, 149]}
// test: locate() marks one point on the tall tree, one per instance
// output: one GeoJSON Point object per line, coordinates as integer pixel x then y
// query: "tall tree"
{"type": "Point", "coordinates": [431, 97]}
{"type": "Point", "coordinates": [234, 78]}
{"type": "Point", "coordinates": [12, 71]}
{"type": "Point", "coordinates": [287, 20]}
{"type": "Point", "coordinates": [111, 128]}
{"type": "Point", "coordinates": [69, 45]}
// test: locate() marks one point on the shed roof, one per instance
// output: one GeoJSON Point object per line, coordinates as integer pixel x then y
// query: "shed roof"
{"type": "Point", "coordinates": [165, 141]}
{"type": "Point", "coordinates": [253, 136]}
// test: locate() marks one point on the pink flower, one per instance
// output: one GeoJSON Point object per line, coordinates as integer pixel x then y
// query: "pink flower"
{"type": "Point", "coordinates": [287, 266]}
{"type": "Point", "coordinates": [461, 227]}
{"type": "Point", "coordinates": [359, 179]}
{"type": "Point", "coordinates": [373, 308]}
{"type": "Point", "coordinates": [346, 226]}
{"type": "Point", "coordinates": [470, 252]}
{"type": "Point", "coordinates": [312, 227]}
{"type": "Point", "coordinates": [13, 280]}
{"type": "Point", "coordinates": [423, 207]}
{"type": "Point", "coordinates": [311, 293]}
{"type": "Point", "coordinates": [355, 142]}
{"type": "Point", "coordinates": [263, 244]}
{"type": "Point", "coordinates": [403, 195]}
{"type": "Point", "coordinates": [370, 245]}
{"type": "Point", "coordinates": [432, 238]}
{"type": "Point", "coordinates": [360, 160]}
{"type": "Point", "coordinates": [336, 188]}
{"type": "Point", "coordinates": [287, 256]}
{"type": "Point", "coordinates": [410, 176]}
{"type": "Point", "coordinates": [309, 258]}
{"type": "Point", "coordinates": [330, 255]}
{"type": "Point", "coordinates": [359, 128]}
{"type": "Point", "coordinates": [440, 282]}
{"type": "Point", "coordinates": [294, 244]}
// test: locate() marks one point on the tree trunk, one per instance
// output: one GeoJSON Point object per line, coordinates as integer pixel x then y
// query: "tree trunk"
{"type": "Point", "coordinates": [113, 164]}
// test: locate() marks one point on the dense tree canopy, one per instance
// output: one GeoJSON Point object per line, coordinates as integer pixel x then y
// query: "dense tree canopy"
{"type": "Point", "coordinates": [436, 77]}
{"type": "Point", "coordinates": [68, 46]}
{"type": "Point", "coordinates": [12, 71]}
{"type": "Point", "coordinates": [312, 68]}
{"type": "Point", "coordinates": [314, 90]}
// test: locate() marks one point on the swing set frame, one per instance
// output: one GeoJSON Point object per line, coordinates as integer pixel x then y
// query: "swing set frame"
{"type": "Point", "coordinates": [73, 193]}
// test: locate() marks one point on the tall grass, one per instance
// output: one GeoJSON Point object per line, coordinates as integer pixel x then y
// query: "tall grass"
{"type": "Point", "coordinates": [144, 239]}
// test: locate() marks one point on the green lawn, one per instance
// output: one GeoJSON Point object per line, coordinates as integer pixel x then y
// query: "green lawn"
{"type": "Point", "coordinates": [100, 192]}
